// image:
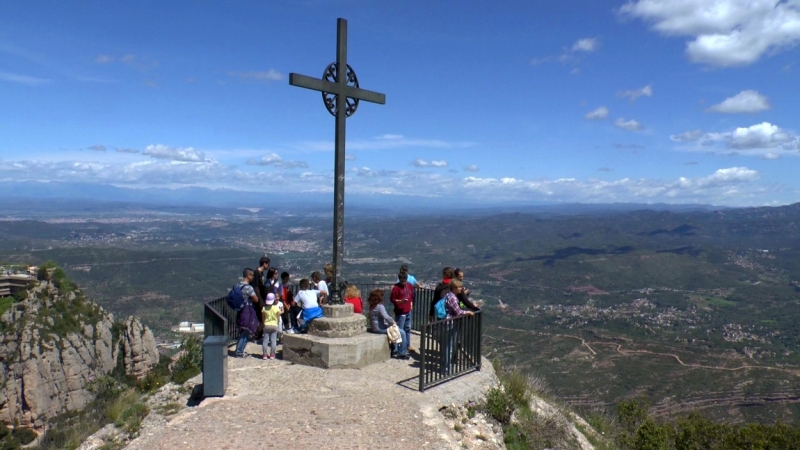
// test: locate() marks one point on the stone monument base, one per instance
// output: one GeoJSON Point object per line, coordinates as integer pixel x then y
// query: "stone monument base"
{"type": "Point", "coordinates": [352, 352]}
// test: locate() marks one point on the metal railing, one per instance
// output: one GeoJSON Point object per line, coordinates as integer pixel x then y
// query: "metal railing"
{"type": "Point", "coordinates": [220, 319]}
{"type": "Point", "coordinates": [449, 348]}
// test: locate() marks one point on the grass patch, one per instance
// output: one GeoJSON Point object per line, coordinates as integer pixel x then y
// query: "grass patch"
{"type": "Point", "coordinates": [5, 304]}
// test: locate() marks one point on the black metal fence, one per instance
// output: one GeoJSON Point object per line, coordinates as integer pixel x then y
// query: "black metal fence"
{"type": "Point", "coordinates": [449, 348]}
{"type": "Point", "coordinates": [219, 319]}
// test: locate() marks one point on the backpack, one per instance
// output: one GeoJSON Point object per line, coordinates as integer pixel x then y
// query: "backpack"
{"type": "Point", "coordinates": [441, 311]}
{"type": "Point", "coordinates": [235, 298]}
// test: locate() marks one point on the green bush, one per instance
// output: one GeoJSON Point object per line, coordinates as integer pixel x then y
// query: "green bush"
{"type": "Point", "coordinates": [131, 419]}
{"type": "Point", "coordinates": [499, 405]}
{"type": "Point", "coordinates": [190, 362]}
{"type": "Point", "coordinates": [24, 435]}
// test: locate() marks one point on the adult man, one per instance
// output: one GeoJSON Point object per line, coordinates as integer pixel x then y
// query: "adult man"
{"type": "Point", "coordinates": [259, 286]}
{"type": "Point", "coordinates": [411, 278]}
{"type": "Point", "coordinates": [321, 286]}
{"type": "Point", "coordinates": [402, 298]}
{"type": "Point", "coordinates": [247, 320]}
{"type": "Point", "coordinates": [290, 308]}
{"type": "Point", "coordinates": [463, 296]}
{"type": "Point", "coordinates": [440, 291]}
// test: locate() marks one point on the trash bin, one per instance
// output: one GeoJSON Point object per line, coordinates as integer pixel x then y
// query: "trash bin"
{"type": "Point", "coordinates": [215, 366]}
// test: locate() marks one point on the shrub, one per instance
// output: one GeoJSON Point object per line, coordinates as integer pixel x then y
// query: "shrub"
{"type": "Point", "coordinates": [131, 419]}
{"type": "Point", "coordinates": [190, 362]}
{"type": "Point", "coordinates": [24, 435]}
{"type": "Point", "coordinates": [499, 405]}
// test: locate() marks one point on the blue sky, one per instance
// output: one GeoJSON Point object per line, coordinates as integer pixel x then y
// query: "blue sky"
{"type": "Point", "coordinates": [573, 101]}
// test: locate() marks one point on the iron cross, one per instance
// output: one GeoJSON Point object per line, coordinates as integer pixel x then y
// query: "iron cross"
{"type": "Point", "coordinates": [341, 94]}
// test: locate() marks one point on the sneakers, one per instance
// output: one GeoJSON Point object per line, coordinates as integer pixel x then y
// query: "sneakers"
{"type": "Point", "coordinates": [265, 357]}
{"type": "Point", "coordinates": [271, 356]}
{"type": "Point", "coordinates": [403, 357]}
{"type": "Point", "coordinates": [290, 331]}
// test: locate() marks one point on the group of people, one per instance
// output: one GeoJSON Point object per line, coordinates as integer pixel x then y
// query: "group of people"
{"type": "Point", "coordinates": [271, 308]}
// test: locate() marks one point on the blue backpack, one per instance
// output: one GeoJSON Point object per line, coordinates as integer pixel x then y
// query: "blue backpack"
{"type": "Point", "coordinates": [235, 298]}
{"type": "Point", "coordinates": [441, 311]}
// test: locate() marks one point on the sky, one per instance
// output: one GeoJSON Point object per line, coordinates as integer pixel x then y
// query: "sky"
{"type": "Point", "coordinates": [591, 101]}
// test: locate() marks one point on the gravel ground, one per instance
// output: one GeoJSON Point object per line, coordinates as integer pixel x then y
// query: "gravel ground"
{"type": "Point", "coordinates": [275, 404]}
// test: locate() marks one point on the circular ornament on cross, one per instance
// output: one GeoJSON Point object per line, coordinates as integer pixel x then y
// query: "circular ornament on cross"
{"type": "Point", "coordinates": [331, 100]}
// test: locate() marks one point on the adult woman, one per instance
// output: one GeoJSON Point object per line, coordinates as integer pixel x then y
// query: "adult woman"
{"type": "Point", "coordinates": [451, 305]}
{"type": "Point", "coordinates": [379, 319]}
{"type": "Point", "coordinates": [353, 296]}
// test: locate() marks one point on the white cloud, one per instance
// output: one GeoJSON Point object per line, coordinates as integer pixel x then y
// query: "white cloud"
{"type": "Point", "coordinates": [633, 94]}
{"type": "Point", "coordinates": [598, 114]}
{"type": "Point", "coordinates": [97, 148]}
{"type": "Point", "coordinates": [273, 159]}
{"type": "Point", "coordinates": [630, 125]}
{"type": "Point", "coordinates": [770, 156]}
{"type": "Point", "coordinates": [758, 139]}
{"type": "Point", "coordinates": [385, 142]}
{"type": "Point", "coordinates": [425, 163]}
{"type": "Point", "coordinates": [688, 136]}
{"type": "Point", "coordinates": [472, 168]}
{"type": "Point", "coordinates": [127, 150]}
{"type": "Point", "coordinates": [367, 172]}
{"type": "Point", "coordinates": [187, 154]}
{"type": "Point", "coordinates": [735, 186]}
{"type": "Point", "coordinates": [585, 45]}
{"type": "Point", "coordinates": [763, 135]}
{"type": "Point", "coordinates": [263, 76]}
{"type": "Point", "coordinates": [104, 59]}
{"type": "Point", "coordinates": [749, 101]}
{"type": "Point", "coordinates": [23, 79]}
{"type": "Point", "coordinates": [350, 157]}
{"type": "Point", "coordinates": [725, 32]}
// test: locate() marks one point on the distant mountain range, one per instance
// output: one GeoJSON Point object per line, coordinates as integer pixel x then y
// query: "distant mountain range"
{"type": "Point", "coordinates": [360, 204]}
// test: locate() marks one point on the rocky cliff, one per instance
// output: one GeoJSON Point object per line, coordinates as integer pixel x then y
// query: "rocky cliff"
{"type": "Point", "coordinates": [53, 343]}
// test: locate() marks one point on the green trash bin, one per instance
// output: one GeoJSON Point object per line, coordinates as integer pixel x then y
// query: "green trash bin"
{"type": "Point", "coordinates": [215, 366]}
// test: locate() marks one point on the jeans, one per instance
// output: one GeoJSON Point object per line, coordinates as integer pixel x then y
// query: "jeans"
{"type": "Point", "coordinates": [244, 336]}
{"type": "Point", "coordinates": [449, 334]}
{"type": "Point", "coordinates": [392, 346]}
{"type": "Point", "coordinates": [270, 339]}
{"type": "Point", "coordinates": [404, 324]}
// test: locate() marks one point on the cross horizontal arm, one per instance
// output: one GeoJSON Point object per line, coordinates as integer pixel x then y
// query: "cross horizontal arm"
{"type": "Point", "coordinates": [336, 88]}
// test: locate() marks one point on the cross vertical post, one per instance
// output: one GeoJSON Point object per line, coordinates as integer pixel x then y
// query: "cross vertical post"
{"type": "Point", "coordinates": [341, 95]}
{"type": "Point", "coordinates": [339, 170]}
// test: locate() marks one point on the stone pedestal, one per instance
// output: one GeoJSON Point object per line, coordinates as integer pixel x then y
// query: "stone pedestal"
{"type": "Point", "coordinates": [338, 340]}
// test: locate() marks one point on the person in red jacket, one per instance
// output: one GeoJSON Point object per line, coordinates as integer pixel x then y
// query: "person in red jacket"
{"type": "Point", "coordinates": [402, 298]}
{"type": "Point", "coordinates": [353, 296]}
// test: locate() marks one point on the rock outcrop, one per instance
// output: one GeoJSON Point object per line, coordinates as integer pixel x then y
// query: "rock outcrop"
{"type": "Point", "coordinates": [52, 345]}
{"type": "Point", "coordinates": [141, 353]}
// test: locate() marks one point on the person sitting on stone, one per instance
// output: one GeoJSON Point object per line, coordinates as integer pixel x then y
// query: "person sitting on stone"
{"type": "Point", "coordinates": [247, 319]}
{"type": "Point", "coordinates": [328, 273]}
{"type": "Point", "coordinates": [272, 316]}
{"type": "Point", "coordinates": [321, 286]}
{"type": "Point", "coordinates": [353, 296]}
{"type": "Point", "coordinates": [307, 299]}
{"type": "Point", "coordinates": [379, 319]}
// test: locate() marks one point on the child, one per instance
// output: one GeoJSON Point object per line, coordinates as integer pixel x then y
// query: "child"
{"type": "Point", "coordinates": [271, 314]}
{"type": "Point", "coordinates": [308, 300]}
